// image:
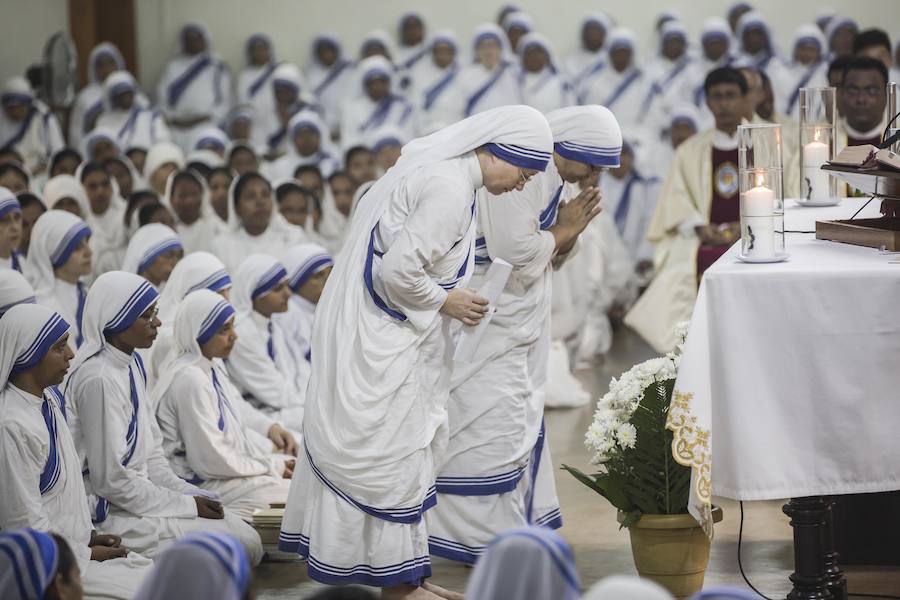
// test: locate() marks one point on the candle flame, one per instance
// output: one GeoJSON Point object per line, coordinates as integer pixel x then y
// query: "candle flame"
{"type": "Point", "coordinates": [760, 180]}
{"type": "Point", "coordinates": [816, 135]}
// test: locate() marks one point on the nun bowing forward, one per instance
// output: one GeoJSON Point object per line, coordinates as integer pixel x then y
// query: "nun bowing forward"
{"type": "Point", "coordinates": [375, 424]}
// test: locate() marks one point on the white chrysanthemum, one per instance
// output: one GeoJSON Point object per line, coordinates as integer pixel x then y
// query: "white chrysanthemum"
{"type": "Point", "coordinates": [626, 435]}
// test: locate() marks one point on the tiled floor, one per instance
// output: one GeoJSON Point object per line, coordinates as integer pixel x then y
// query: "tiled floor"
{"type": "Point", "coordinates": [591, 528]}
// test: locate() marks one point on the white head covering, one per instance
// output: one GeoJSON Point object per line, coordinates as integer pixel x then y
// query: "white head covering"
{"type": "Point", "coordinates": [147, 244]}
{"type": "Point", "coordinates": [196, 271]}
{"type": "Point", "coordinates": [206, 157]}
{"type": "Point", "coordinates": [66, 186]}
{"type": "Point", "coordinates": [17, 88]}
{"type": "Point", "coordinates": [622, 37]}
{"type": "Point", "coordinates": [113, 304]}
{"type": "Point", "coordinates": [28, 563]}
{"type": "Point", "coordinates": [160, 154]}
{"type": "Point", "coordinates": [207, 212]}
{"type": "Point", "coordinates": [211, 137]}
{"type": "Point", "coordinates": [375, 66]}
{"type": "Point", "coordinates": [255, 277]}
{"type": "Point", "coordinates": [253, 40]}
{"type": "Point", "coordinates": [716, 27]}
{"type": "Point", "coordinates": [596, 18]}
{"type": "Point", "coordinates": [103, 49]}
{"type": "Point", "coordinates": [26, 337]}
{"type": "Point", "coordinates": [325, 37]}
{"type": "Point", "coordinates": [386, 135]}
{"type": "Point", "coordinates": [622, 587]}
{"type": "Point", "coordinates": [754, 19]}
{"type": "Point", "coordinates": [98, 134]}
{"type": "Point", "coordinates": [55, 236]}
{"type": "Point", "coordinates": [200, 28]}
{"type": "Point", "coordinates": [303, 261]}
{"type": "Point", "coordinates": [809, 34]}
{"type": "Point", "coordinates": [520, 19]}
{"type": "Point", "coordinates": [310, 119]}
{"type": "Point", "coordinates": [377, 37]}
{"type": "Point", "coordinates": [491, 31]}
{"type": "Point", "coordinates": [117, 83]}
{"type": "Point", "coordinates": [14, 289]}
{"type": "Point", "coordinates": [838, 23]}
{"type": "Point", "coordinates": [199, 316]}
{"type": "Point", "coordinates": [210, 565]}
{"type": "Point", "coordinates": [686, 112]}
{"type": "Point", "coordinates": [673, 28]}
{"type": "Point", "coordinates": [528, 562]}
{"type": "Point", "coordinates": [536, 39]}
{"type": "Point", "coordinates": [587, 134]}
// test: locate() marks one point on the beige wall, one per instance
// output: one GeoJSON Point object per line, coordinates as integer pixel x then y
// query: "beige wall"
{"type": "Point", "coordinates": [291, 23]}
{"type": "Point", "coordinates": [24, 27]}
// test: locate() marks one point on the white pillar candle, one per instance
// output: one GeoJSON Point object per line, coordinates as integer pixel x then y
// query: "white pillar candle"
{"type": "Point", "coordinates": [758, 222]}
{"type": "Point", "coordinates": [815, 180]}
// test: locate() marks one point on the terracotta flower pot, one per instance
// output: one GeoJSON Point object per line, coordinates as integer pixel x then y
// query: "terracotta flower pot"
{"type": "Point", "coordinates": [671, 550]}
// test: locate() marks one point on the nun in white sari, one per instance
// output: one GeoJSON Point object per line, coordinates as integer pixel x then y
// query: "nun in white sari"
{"type": "Point", "coordinates": [136, 495]}
{"type": "Point", "coordinates": [434, 79]}
{"type": "Point", "coordinates": [104, 60]}
{"type": "Point", "coordinates": [329, 75]}
{"type": "Point", "coordinates": [491, 80]}
{"type": "Point", "coordinates": [204, 435]}
{"type": "Point", "coordinates": [266, 365]}
{"type": "Point", "coordinates": [308, 143]}
{"type": "Point", "coordinates": [153, 252]}
{"type": "Point", "coordinates": [544, 86]}
{"type": "Point", "coordinates": [497, 472]}
{"type": "Point", "coordinates": [195, 87]}
{"type": "Point", "coordinates": [621, 86]}
{"type": "Point", "coordinates": [134, 125]}
{"type": "Point", "coordinates": [254, 84]}
{"type": "Point", "coordinates": [59, 258]}
{"type": "Point", "coordinates": [590, 59]}
{"type": "Point", "coordinates": [27, 125]}
{"type": "Point", "coordinates": [376, 423]}
{"type": "Point", "coordinates": [376, 105]}
{"type": "Point", "coordinates": [197, 224]}
{"type": "Point", "coordinates": [105, 216]}
{"type": "Point", "coordinates": [255, 226]}
{"type": "Point", "coordinates": [808, 68]}
{"type": "Point", "coordinates": [41, 471]}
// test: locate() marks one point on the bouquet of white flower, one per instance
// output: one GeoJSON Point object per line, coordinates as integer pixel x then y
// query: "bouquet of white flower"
{"type": "Point", "coordinates": [632, 447]}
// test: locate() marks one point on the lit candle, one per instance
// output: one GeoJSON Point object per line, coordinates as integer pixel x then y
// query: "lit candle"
{"type": "Point", "coordinates": [758, 221]}
{"type": "Point", "coordinates": [815, 185]}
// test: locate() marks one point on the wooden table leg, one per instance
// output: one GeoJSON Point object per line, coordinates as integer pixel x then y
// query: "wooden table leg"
{"type": "Point", "coordinates": [808, 518]}
{"type": "Point", "coordinates": [834, 576]}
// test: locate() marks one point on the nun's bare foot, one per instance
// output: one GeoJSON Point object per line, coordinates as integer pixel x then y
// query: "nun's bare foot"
{"type": "Point", "coordinates": [438, 590]}
{"type": "Point", "coordinates": [407, 592]}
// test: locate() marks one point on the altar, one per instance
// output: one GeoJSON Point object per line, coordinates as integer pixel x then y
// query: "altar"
{"type": "Point", "coordinates": [789, 385]}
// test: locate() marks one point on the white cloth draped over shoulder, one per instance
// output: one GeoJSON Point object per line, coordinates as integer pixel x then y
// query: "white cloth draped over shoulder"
{"type": "Point", "coordinates": [54, 238]}
{"type": "Point", "coordinates": [361, 116]}
{"type": "Point", "coordinates": [264, 364]}
{"type": "Point", "coordinates": [108, 234]}
{"type": "Point", "coordinates": [787, 80]}
{"type": "Point", "coordinates": [373, 443]}
{"type": "Point", "coordinates": [549, 89]}
{"type": "Point", "coordinates": [89, 101]}
{"type": "Point", "coordinates": [433, 94]}
{"type": "Point", "coordinates": [147, 244]}
{"type": "Point", "coordinates": [43, 487]}
{"type": "Point", "coordinates": [36, 137]}
{"type": "Point", "coordinates": [136, 127]}
{"type": "Point", "coordinates": [203, 432]}
{"type": "Point", "coordinates": [482, 89]}
{"type": "Point", "coordinates": [136, 495]}
{"type": "Point", "coordinates": [193, 87]}
{"type": "Point", "coordinates": [623, 92]}
{"type": "Point", "coordinates": [325, 157]}
{"type": "Point", "coordinates": [329, 83]}
{"type": "Point", "coordinates": [584, 64]}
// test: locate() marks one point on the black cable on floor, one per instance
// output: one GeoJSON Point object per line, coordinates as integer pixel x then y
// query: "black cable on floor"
{"type": "Point", "coordinates": [752, 587]}
{"type": "Point", "coordinates": [740, 562]}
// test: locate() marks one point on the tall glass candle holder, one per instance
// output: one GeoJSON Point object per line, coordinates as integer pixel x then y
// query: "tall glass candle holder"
{"type": "Point", "coordinates": [818, 114]}
{"type": "Point", "coordinates": [762, 193]}
{"type": "Point", "coordinates": [893, 127]}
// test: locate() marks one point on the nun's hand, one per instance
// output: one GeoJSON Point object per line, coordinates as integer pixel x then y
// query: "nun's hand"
{"type": "Point", "coordinates": [101, 553]}
{"type": "Point", "coordinates": [283, 440]}
{"type": "Point", "coordinates": [465, 305]}
{"type": "Point", "coordinates": [99, 539]}
{"type": "Point", "coordinates": [209, 509]}
{"type": "Point", "coordinates": [573, 217]}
